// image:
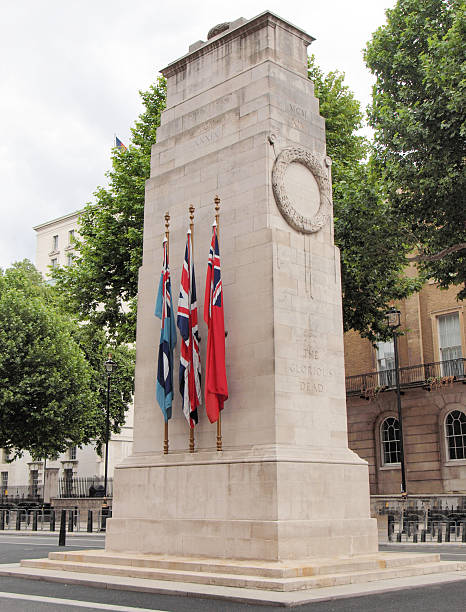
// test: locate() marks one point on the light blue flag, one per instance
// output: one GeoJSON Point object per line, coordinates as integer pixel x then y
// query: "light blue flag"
{"type": "Point", "coordinates": [164, 311]}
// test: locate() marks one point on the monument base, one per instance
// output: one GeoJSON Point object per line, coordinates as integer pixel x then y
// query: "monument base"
{"type": "Point", "coordinates": [151, 571]}
{"type": "Point", "coordinates": [270, 503]}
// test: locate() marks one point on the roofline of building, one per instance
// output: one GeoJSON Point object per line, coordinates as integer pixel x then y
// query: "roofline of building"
{"type": "Point", "coordinates": [52, 221]}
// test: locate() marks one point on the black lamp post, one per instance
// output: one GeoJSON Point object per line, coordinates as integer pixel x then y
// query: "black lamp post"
{"type": "Point", "coordinates": [110, 366]}
{"type": "Point", "coordinates": [393, 318]}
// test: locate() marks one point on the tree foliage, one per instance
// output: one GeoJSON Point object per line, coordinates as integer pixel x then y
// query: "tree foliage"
{"type": "Point", "coordinates": [372, 244]}
{"type": "Point", "coordinates": [418, 113]}
{"type": "Point", "coordinates": [51, 374]}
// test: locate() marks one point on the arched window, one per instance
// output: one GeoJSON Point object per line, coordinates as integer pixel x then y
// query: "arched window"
{"type": "Point", "coordinates": [390, 437]}
{"type": "Point", "coordinates": [455, 431]}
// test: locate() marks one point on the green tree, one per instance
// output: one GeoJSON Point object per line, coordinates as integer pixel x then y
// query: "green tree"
{"type": "Point", "coordinates": [371, 240]}
{"type": "Point", "coordinates": [105, 275]}
{"type": "Point", "coordinates": [418, 113]}
{"type": "Point", "coordinates": [51, 372]}
{"type": "Point", "coordinates": [96, 348]}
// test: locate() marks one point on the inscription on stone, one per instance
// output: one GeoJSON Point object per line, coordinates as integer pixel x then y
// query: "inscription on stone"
{"type": "Point", "coordinates": [309, 370]}
{"type": "Point", "coordinates": [210, 132]}
{"type": "Point", "coordinates": [296, 123]}
{"type": "Point", "coordinates": [309, 352]}
{"type": "Point", "coordinates": [209, 137]}
{"type": "Point", "coordinates": [298, 114]}
{"type": "Point", "coordinates": [201, 114]}
{"type": "Point", "coordinates": [306, 386]}
{"type": "Point", "coordinates": [298, 111]}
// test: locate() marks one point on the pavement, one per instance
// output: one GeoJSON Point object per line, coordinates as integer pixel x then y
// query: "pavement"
{"type": "Point", "coordinates": [51, 534]}
{"type": "Point", "coordinates": [45, 590]}
{"type": "Point", "coordinates": [449, 551]}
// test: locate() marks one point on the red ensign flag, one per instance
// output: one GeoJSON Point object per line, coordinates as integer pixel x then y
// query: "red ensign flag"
{"type": "Point", "coordinates": [216, 388]}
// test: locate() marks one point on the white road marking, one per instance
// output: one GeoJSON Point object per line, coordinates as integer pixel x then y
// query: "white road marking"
{"type": "Point", "coordinates": [75, 603]}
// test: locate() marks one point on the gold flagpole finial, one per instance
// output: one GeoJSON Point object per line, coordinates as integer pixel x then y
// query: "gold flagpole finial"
{"type": "Point", "coordinates": [167, 221]}
{"type": "Point", "coordinates": [191, 213]}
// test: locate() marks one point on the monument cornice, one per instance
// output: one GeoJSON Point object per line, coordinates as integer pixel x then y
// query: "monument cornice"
{"type": "Point", "coordinates": [241, 31]}
{"type": "Point", "coordinates": [244, 456]}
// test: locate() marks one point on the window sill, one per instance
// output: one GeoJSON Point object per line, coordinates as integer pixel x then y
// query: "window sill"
{"type": "Point", "coordinates": [454, 462]}
{"type": "Point", "coordinates": [390, 466]}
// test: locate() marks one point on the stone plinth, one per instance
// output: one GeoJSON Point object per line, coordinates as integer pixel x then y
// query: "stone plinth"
{"type": "Point", "coordinates": [286, 576]}
{"type": "Point", "coordinates": [286, 485]}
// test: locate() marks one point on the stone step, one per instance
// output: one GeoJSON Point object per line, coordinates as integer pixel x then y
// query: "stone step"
{"type": "Point", "coordinates": [250, 568]}
{"type": "Point", "coordinates": [243, 581]}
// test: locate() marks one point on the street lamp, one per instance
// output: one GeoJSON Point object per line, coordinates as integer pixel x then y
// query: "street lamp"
{"type": "Point", "coordinates": [110, 366]}
{"type": "Point", "coordinates": [393, 318]}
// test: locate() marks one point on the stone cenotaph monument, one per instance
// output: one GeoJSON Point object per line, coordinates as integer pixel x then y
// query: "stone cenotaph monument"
{"type": "Point", "coordinates": [285, 505]}
{"type": "Point", "coordinates": [242, 122]}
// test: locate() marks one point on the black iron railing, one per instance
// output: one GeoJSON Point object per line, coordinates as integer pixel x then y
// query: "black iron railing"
{"type": "Point", "coordinates": [21, 493]}
{"type": "Point", "coordinates": [84, 487]}
{"type": "Point", "coordinates": [427, 375]}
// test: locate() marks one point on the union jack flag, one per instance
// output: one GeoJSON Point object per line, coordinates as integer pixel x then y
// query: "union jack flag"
{"type": "Point", "coordinates": [190, 363]}
{"type": "Point", "coordinates": [164, 310]}
{"type": "Point", "coordinates": [216, 388]}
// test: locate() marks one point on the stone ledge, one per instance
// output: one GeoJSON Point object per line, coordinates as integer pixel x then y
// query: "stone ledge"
{"type": "Point", "coordinates": [264, 576]}
{"type": "Point", "coordinates": [238, 595]}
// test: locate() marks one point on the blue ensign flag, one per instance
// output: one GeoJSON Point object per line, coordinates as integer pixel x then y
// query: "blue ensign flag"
{"type": "Point", "coordinates": [164, 310]}
{"type": "Point", "coordinates": [119, 144]}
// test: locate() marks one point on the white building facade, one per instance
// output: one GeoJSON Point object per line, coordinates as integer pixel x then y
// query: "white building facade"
{"type": "Point", "coordinates": [24, 477]}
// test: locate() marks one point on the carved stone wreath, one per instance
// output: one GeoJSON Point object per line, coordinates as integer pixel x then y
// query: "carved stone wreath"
{"type": "Point", "coordinates": [218, 29]}
{"type": "Point", "coordinates": [317, 167]}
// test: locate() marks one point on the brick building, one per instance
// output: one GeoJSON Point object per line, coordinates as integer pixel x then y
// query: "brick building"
{"type": "Point", "coordinates": [432, 376]}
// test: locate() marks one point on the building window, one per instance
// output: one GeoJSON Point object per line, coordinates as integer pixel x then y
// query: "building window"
{"type": "Point", "coordinates": [449, 335]}
{"type": "Point", "coordinates": [455, 430]}
{"type": "Point", "coordinates": [390, 436]}
{"type": "Point", "coordinates": [71, 238]}
{"type": "Point", "coordinates": [54, 262]}
{"type": "Point", "coordinates": [55, 243]}
{"type": "Point", "coordinates": [69, 259]}
{"type": "Point", "coordinates": [72, 453]}
{"type": "Point", "coordinates": [386, 363]}
{"type": "Point", "coordinates": [34, 480]}
{"type": "Point", "coordinates": [68, 482]}
{"type": "Point", "coordinates": [4, 483]}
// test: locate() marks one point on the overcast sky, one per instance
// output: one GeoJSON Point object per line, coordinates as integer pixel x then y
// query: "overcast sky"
{"type": "Point", "coordinates": [70, 72]}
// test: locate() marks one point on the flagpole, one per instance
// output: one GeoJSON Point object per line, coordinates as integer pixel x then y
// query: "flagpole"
{"type": "Point", "coordinates": [191, 227]}
{"type": "Point", "coordinates": [219, 420]}
{"type": "Point", "coordinates": [167, 236]}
